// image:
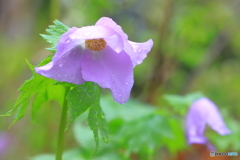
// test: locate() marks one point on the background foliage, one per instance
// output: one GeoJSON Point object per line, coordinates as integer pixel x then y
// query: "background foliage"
{"type": "Point", "coordinates": [196, 48]}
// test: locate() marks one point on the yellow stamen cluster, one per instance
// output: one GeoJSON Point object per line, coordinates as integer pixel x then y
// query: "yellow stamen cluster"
{"type": "Point", "coordinates": [95, 44]}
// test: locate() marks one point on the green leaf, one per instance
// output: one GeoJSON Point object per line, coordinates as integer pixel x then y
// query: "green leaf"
{"type": "Point", "coordinates": [28, 89]}
{"type": "Point", "coordinates": [39, 99]}
{"type": "Point", "coordinates": [66, 84]}
{"type": "Point", "coordinates": [48, 91]}
{"type": "Point", "coordinates": [45, 61]}
{"type": "Point", "coordinates": [55, 31]}
{"type": "Point", "coordinates": [42, 63]}
{"type": "Point", "coordinates": [37, 84]}
{"type": "Point", "coordinates": [81, 98]}
{"type": "Point", "coordinates": [178, 142]}
{"type": "Point", "coordinates": [87, 96]}
{"type": "Point", "coordinates": [97, 122]}
{"type": "Point", "coordinates": [181, 103]}
{"type": "Point", "coordinates": [146, 131]}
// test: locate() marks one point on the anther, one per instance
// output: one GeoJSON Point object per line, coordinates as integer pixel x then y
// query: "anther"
{"type": "Point", "coordinates": [95, 44]}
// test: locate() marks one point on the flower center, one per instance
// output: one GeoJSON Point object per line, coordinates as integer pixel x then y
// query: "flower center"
{"type": "Point", "coordinates": [95, 44]}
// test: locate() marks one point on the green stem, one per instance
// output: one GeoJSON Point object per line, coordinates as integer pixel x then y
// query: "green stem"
{"type": "Point", "coordinates": [62, 127]}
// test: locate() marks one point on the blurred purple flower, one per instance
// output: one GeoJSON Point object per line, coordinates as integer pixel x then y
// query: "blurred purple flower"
{"type": "Point", "coordinates": [202, 112]}
{"type": "Point", "coordinates": [101, 53]}
{"type": "Point", "coordinates": [4, 144]}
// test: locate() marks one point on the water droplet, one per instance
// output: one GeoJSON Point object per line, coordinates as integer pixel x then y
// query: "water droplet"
{"type": "Point", "coordinates": [60, 65]}
{"type": "Point", "coordinates": [139, 61]}
{"type": "Point", "coordinates": [139, 50]}
{"type": "Point", "coordinates": [120, 95]}
{"type": "Point", "coordinates": [88, 33]}
{"type": "Point", "coordinates": [127, 83]}
{"type": "Point", "coordinates": [67, 41]}
{"type": "Point", "coordinates": [72, 76]}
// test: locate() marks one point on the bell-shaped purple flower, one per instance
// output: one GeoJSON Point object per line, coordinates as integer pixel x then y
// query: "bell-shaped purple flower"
{"type": "Point", "coordinates": [202, 112]}
{"type": "Point", "coordinates": [101, 53]}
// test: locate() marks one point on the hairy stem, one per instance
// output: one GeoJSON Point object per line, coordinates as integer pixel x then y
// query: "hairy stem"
{"type": "Point", "coordinates": [62, 127]}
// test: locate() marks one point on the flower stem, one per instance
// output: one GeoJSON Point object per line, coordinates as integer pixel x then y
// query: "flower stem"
{"type": "Point", "coordinates": [62, 127]}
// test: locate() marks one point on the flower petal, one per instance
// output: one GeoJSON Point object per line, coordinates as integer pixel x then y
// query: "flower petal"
{"type": "Point", "coordinates": [112, 38]}
{"type": "Point", "coordinates": [195, 126]}
{"type": "Point", "coordinates": [202, 112]}
{"type": "Point", "coordinates": [137, 51]}
{"type": "Point", "coordinates": [108, 22]}
{"type": "Point", "coordinates": [213, 117]}
{"type": "Point", "coordinates": [65, 43]}
{"type": "Point", "coordinates": [109, 70]}
{"type": "Point", "coordinates": [66, 67]}
{"type": "Point", "coordinates": [140, 51]}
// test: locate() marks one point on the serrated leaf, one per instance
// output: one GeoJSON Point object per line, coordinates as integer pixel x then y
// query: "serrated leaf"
{"type": "Point", "coordinates": [144, 134]}
{"type": "Point", "coordinates": [55, 31]}
{"type": "Point", "coordinates": [48, 91]}
{"type": "Point", "coordinates": [23, 99]}
{"type": "Point", "coordinates": [97, 122]}
{"type": "Point", "coordinates": [87, 96]}
{"type": "Point", "coordinates": [81, 98]}
{"type": "Point", "coordinates": [28, 89]}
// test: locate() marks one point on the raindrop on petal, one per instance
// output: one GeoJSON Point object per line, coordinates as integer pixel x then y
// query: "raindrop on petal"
{"type": "Point", "coordinates": [72, 76]}
{"type": "Point", "coordinates": [139, 61]}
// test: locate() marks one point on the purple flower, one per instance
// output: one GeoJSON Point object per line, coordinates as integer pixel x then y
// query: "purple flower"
{"type": "Point", "coordinates": [4, 144]}
{"type": "Point", "coordinates": [101, 53]}
{"type": "Point", "coordinates": [202, 112]}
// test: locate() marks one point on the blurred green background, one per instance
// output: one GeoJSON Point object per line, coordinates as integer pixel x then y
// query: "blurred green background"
{"type": "Point", "coordinates": [196, 48]}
